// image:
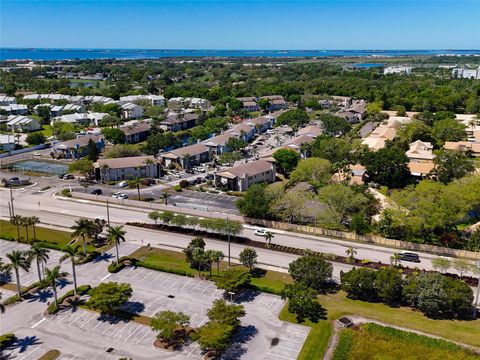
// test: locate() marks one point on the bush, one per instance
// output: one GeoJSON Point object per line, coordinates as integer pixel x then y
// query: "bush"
{"type": "Point", "coordinates": [66, 193]}
{"type": "Point", "coordinates": [115, 267]}
{"type": "Point", "coordinates": [7, 340]}
{"type": "Point", "coordinates": [177, 188]}
{"type": "Point", "coordinates": [36, 138]}
{"type": "Point", "coordinates": [50, 355]}
{"type": "Point", "coordinates": [160, 268]}
{"type": "Point", "coordinates": [12, 300]}
{"type": "Point", "coordinates": [183, 184]}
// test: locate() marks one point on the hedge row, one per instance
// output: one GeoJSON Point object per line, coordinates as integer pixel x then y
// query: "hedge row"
{"type": "Point", "coordinates": [7, 340]}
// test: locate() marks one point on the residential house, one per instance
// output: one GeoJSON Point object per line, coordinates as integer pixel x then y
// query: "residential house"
{"type": "Point", "coordinates": [7, 100]}
{"type": "Point", "coordinates": [76, 148]}
{"type": "Point", "coordinates": [249, 103]}
{"type": "Point", "coordinates": [185, 102]}
{"type": "Point", "coordinates": [262, 123]}
{"type": "Point", "coordinates": [341, 101]}
{"type": "Point", "coordinates": [472, 148]}
{"type": "Point", "coordinates": [297, 143]}
{"type": "Point", "coordinates": [386, 131]}
{"type": "Point", "coordinates": [126, 168]}
{"type": "Point", "coordinates": [187, 156]}
{"type": "Point", "coordinates": [243, 131]}
{"type": "Point", "coordinates": [136, 132]}
{"type": "Point", "coordinates": [421, 158]}
{"type": "Point", "coordinates": [241, 177]}
{"type": "Point", "coordinates": [14, 109]}
{"type": "Point", "coordinates": [276, 102]}
{"type": "Point", "coordinates": [81, 119]}
{"type": "Point", "coordinates": [310, 130]}
{"type": "Point", "coordinates": [155, 100]}
{"type": "Point", "coordinates": [349, 116]}
{"type": "Point", "coordinates": [58, 110]}
{"type": "Point", "coordinates": [19, 123]}
{"type": "Point", "coordinates": [179, 121]}
{"type": "Point", "coordinates": [131, 111]}
{"type": "Point", "coordinates": [217, 145]}
{"type": "Point", "coordinates": [401, 70]}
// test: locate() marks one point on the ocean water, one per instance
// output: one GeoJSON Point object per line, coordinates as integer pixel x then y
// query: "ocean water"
{"type": "Point", "coordinates": [66, 54]}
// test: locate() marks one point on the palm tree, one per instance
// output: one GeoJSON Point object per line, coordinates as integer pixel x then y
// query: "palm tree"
{"type": "Point", "coordinates": [83, 228]}
{"type": "Point", "coordinates": [51, 277]}
{"type": "Point", "coordinates": [40, 255]}
{"type": "Point", "coordinates": [395, 259]}
{"type": "Point", "coordinates": [25, 222]}
{"type": "Point", "coordinates": [351, 252]}
{"type": "Point", "coordinates": [148, 162]}
{"type": "Point", "coordinates": [18, 260]}
{"type": "Point", "coordinates": [17, 221]}
{"type": "Point", "coordinates": [136, 182]}
{"type": "Point", "coordinates": [34, 220]}
{"type": "Point", "coordinates": [268, 237]}
{"type": "Point", "coordinates": [73, 253]}
{"type": "Point", "coordinates": [116, 234]}
{"type": "Point", "coordinates": [104, 169]}
{"type": "Point", "coordinates": [216, 256]}
{"type": "Point", "coordinates": [165, 196]}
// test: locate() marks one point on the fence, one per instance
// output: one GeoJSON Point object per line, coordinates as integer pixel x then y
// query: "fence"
{"type": "Point", "coordinates": [341, 235]}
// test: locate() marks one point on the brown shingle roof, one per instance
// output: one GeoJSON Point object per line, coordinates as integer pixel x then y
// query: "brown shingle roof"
{"type": "Point", "coordinates": [250, 168]}
{"type": "Point", "coordinates": [125, 162]}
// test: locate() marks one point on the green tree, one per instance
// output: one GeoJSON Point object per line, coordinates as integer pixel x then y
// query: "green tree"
{"type": "Point", "coordinates": [450, 165]}
{"type": "Point", "coordinates": [73, 253]}
{"type": "Point", "coordinates": [359, 284]}
{"type": "Point", "coordinates": [114, 135]}
{"type": "Point", "coordinates": [214, 336]}
{"type": "Point", "coordinates": [388, 283]}
{"type": "Point", "coordinates": [36, 138]}
{"type": "Point", "coordinates": [109, 297]}
{"type": "Point", "coordinates": [51, 277]}
{"type": "Point", "coordinates": [334, 125]}
{"type": "Point", "coordinates": [312, 270]}
{"type": "Point", "coordinates": [92, 151]}
{"type": "Point", "coordinates": [223, 313]}
{"type": "Point", "coordinates": [235, 144]}
{"type": "Point", "coordinates": [122, 150]}
{"type": "Point", "coordinates": [167, 322]}
{"type": "Point", "coordinates": [286, 159]}
{"type": "Point", "coordinates": [351, 252]}
{"type": "Point", "coordinates": [40, 255]}
{"type": "Point", "coordinates": [387, 166]}
{"type": "Point", "coordinates": [216, 256]}
{"type": "Point", "coordinates": [462, 266]}
{"type": "Point", "coordinates": [116, 234]}
{"type": "Point", "coordinates": [315, 171]}
{"type": "Point", "coordinates": [415, 130]}
{"type": "Point", "coordinates": [195, 243]}
{"type": "Point", "coordinates": [293, 118]}
{"type": "Point", "coordinates": [233, 280]}
{"type": "Point", "coordinates": [248, 257]}
{"type": "Point", "coordinates": [331, 148]}
{"type": "Point", "coordinates": [136, 182]}
{"type": "Point", "coordinates": [441, 264]}
{"type": "Point", "coordinates": [302, 301]}
{"type": "Point", "coordinates": [83, 228]}
{"type": "Point", "coordinates": [254, 202]}
{"type": "Point", "coordinates": [82, 166]}
{"type": "Point", "coordinates": [16, 220]}
{"type": "Point", "coordinates": [17, 260]}
{"type": "Point", "coordinates": [34, 220]}
{"type": "Point", "coordinates": [448, 130]}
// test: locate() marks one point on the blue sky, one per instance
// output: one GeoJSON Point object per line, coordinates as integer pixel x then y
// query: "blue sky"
{"type": "Point", "coordinates": [254, 24]}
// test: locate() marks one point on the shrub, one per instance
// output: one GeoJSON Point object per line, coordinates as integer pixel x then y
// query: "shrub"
{"type": "Point", "coordinates": [66, 193]}
{"type": "Point", "coordinates": [50, 355]}
{"type": "Point", "coordinates": [183, 184]}
{"type": "Point", "coordinates": [115, 267]}
{"type": "Point", "coordinates": [177, 188]}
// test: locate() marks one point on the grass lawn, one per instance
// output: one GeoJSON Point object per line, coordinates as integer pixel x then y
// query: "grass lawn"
{"type": "Point", "coordinates": [51, 238]}
{"type": "Point", "coordinates": [372, 341]}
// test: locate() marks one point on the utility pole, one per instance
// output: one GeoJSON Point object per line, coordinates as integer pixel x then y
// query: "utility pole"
{"type": "Point", "coordinates": [108, 214]}
{"type": "Point", "coordinates": [228, 233]}
{"type": "Point", "coordinates": [11, 202]}
{"type": "Point", "coordinates": [9, 210]}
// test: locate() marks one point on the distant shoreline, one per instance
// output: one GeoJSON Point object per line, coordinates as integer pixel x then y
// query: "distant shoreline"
{"type": "Point", "coordinates": [47, 54]}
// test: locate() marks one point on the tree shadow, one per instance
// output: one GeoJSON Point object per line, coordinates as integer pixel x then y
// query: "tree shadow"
{"type": "Point", "coordinates": [244, 296]}
{"type": "Point", "coordinates": [5, 278]}
{"type": "Point", "coordinates": [61, 283]}
{"type": "Point", "coordinates": [258, 272]}
{"type": "Point", "coordinates": [106, 257]}
{"type": "Point", "coordinates": [41, 295]}
{"type": "Point", "coordinates": [314, 314]}
{"type": "Point", "coordinates": [22, 345]}
{"type": "Point", "coordinates": [237, 347]}
{"type": "Point", "coordinates": [133, 307]}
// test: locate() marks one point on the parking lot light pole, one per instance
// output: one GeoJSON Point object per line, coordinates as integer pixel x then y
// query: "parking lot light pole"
{"type": "Point", "coordinates": [475, 304]}
{"type": "Point", "coordinates": [11, 202]}
{"type": "Point", "coordinates": [228, 233]}
{"type": "Point", "coordinates": [108, 214]}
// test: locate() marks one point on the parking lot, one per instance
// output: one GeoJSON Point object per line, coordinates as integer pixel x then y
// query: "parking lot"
{"type": "Point", "coordinates": [204, 201]}
{"type": "Point", "coordinates": [26, 278]}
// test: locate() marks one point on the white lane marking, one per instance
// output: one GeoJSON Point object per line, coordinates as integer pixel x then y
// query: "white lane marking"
{"type": "Point", "coordinates": [105, 277]}
{"type": "Point", "coordinates": [133, 332]}
{"type": "Point", "coordinates": [146, 333]}
{"type": "Point", "coordinates": [85, 323]}
{"type": "Point", "coordinates": [38, 323]}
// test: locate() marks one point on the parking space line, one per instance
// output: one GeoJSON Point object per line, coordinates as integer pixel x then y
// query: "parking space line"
{"type": "Point", "coordinates": [179, 278]}
{"type": "Point", "coordinates": [127, 272]}
{"type": "Point", "coordinates": [300, 342]}
{"type": "Point", "coordinates": [186, 283]}
{"type": "Point", "coordinates": [279, 356]}
{"type": "Point", "coordinates": [68, 313]}
{"type": "Point", "coordinates": [103, 333]}
{"type": "Point", "coordinates": [169, 276]}
{"type": "Point", "coordinates": [119, 331]}
{"type": "Point", "coordinates": [85, 323]}
{"type": "Point", "coordinates": [143, 337]}
{"type": "Point", "coordinates": [203, 321]}
{"type": "Point", "coordinates": [156, 277]}
{"type": "Point", "coordinates": [30, 353]}
{"type": "Point", "coordinates": [261, 299]}
{"type": "Point", "coordinates": [203, 292]}
{"type": "Point", "coordinates": [140, 271]}
{"type": "Point", "coordinates": [99, 323]}
{"type": "Point", "coordinates": [190, 353]}
{"type": "Point", "coordinates": [133, 332]}
{"type": "Point", "coordinates": [78, 317]}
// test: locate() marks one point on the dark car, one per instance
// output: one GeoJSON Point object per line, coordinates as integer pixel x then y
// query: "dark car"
{"type": "Point", "coordinates": [199, 180]}
{"type": "Point", "coordinates": [189, 171]}
{"type": "Point", "coordinates": [148, 182]}
{"type": "Point", "coordinates": [96, 192]}
{"type": "Point", "coordinates": [209, 177]}
{"type": "Point", "coordinates": [61, 176]}
{"type": "Point", "coordinates": [409, 256]}
{"type": "Point", "coordinates": [68, 177]}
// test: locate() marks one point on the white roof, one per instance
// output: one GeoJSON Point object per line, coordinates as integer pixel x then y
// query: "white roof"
{"type": "Point", "coordinates": [7, 139]}
{"type": "Point", "coordinates": [19, 120]}
{"type": "Point", "coordinates": [9, 99]}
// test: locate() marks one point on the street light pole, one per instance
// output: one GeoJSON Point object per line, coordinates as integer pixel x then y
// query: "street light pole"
{"type": "Point", "coordinates": [108, 214]}
{"type": "Point", "coordinates": [11, 202]}
{"type": "Point", "coordinates": [475, 305]}
{"type": "Point", "coordinates": [228, 233]}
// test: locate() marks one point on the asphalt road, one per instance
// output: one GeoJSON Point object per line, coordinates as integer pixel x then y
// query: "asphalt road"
{"type": "Point", "coordinates": [54, 211]}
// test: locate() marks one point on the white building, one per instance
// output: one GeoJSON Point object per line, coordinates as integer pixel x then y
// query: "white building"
{"type": "Point", "coordinates": [131, 111]}
{"type": "Point", "coordinates": [466, 73]}
{"type": "Point", "coordinates": [15, 109]}
{"type": "Point", "coordinates": [91, 118]}
{"type": "Point", "coordinates": [18, 123]}
{"type": "Point", "coordinates": [402, 70]}
{"type": "Point", "coordinates": [7, 100]}
{"type": "Point", "coordinates": [155, 100]}
{"type": "Point", "coordinates": [7, 142]}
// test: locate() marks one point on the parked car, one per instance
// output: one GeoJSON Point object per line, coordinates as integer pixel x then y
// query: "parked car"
{"type": "Point", "coordinates": [96, 192]}
{"type": "Point", "coordinates": [199, 180]}
{"type": "Point", "coordinates": [199, 169]}
{"type": "Point", "coordinates": [260, 232]}
{"type": "Point", "coordinates": [36, 153]}
{"type": "Point", "coordinates": [123, 184]}
{"type": "Point", "coordinates": [189, 171]}
{"type": "Point", "coordinates": [61, 176]}
{"type": "Point", "coordinates": [148, 182]}
{"type": "Point", "coordinates": [120, 195]}
{"type": "Point", "coordinates": [409, 256]}
{"type": "Point", "coordinates": [176, 175]}
{"type": "Point", "coordinates": [209, 176]}
{"type": "Point", "coordinates": [68, 177]}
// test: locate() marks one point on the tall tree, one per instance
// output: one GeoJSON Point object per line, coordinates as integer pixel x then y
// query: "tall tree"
{"type": "Point", "coordinates": [52, 276]}
{"type": "Point", "coordinates": [83, 228]}
{"type": "Point", "coordinates": [18, 260]}
{"type": "Point", "coordinates": [74, 254]}
{"type": "Point", "coordinates": [40, 255]}
{"type": "Point", "coordinates": [116, 234]}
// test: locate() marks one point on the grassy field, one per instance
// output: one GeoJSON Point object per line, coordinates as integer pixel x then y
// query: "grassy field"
{"type": "Point", "coordinates": [51, 238]}
{"type": "Point", "coordinates": [372, 341]}
{"type": "Point", "coordinates": [174, 261]}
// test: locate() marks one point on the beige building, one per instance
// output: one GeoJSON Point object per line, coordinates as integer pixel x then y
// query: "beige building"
{"type": "Point", "coordinates": [126, 168]}
{"type": "Point", "coordinates": [239, 178]}
{"type": "Point", "coordinates": [463, 146]}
